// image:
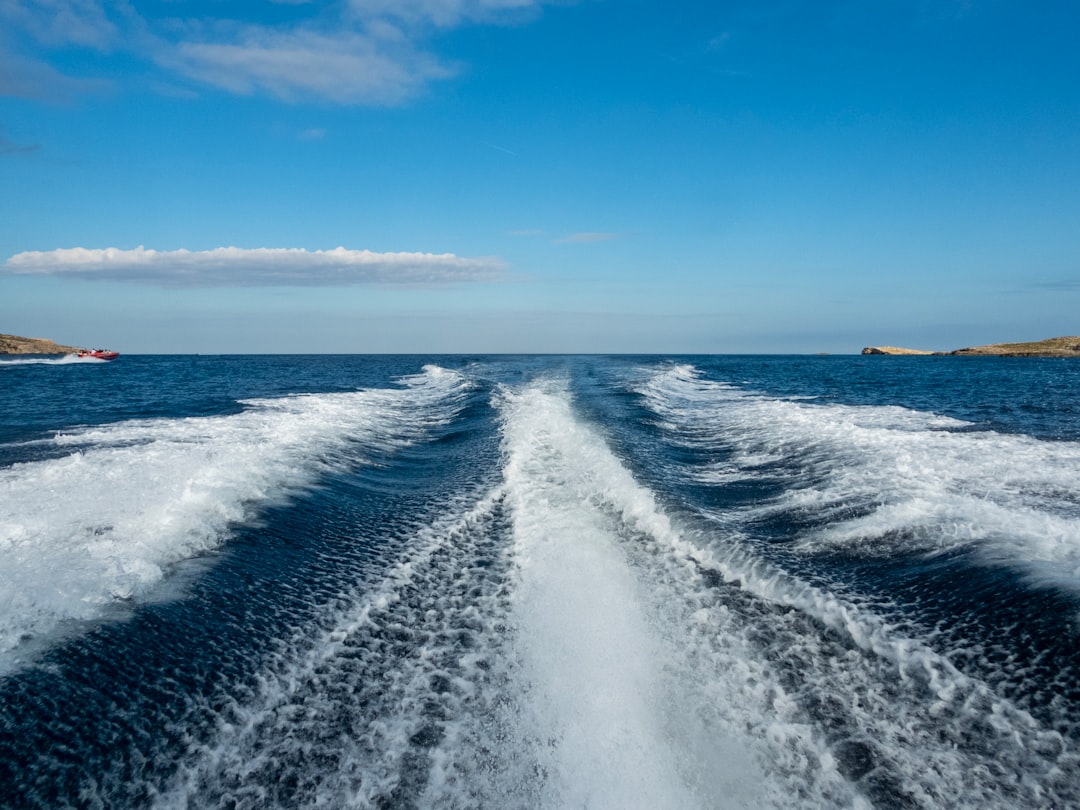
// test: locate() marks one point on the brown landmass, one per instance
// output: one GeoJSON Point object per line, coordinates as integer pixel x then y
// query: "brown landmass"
{"type": "Point", "coordinates": [1051, 347]}
{"type": "Point", "coordinates": [13, 344]}
{"type": "Point", "coordinates": [892, 350]}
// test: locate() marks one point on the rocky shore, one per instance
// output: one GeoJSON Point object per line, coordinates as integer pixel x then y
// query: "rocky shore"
{"type": "Point", "coordinates": [1051, 347]}
{"type": "Point", "coordinates": [13, 344]}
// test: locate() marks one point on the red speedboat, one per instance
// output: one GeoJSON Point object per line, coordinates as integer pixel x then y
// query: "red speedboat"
{"type": "Point", "coordinates": [100, 354]}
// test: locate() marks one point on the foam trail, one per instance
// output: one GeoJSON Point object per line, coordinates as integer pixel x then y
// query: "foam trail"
{"type": "Point", "coordinates": [620, 715]}
{"type": "Point", "coordinates": [885, 479]}
{"type": "Point", "coordinates": [66, 360]}
{"type": "Point", "coordinates": [84, 532]}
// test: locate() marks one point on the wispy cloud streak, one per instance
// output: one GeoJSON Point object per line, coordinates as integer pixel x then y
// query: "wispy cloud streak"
{"type": "Point", "coordinates": [11, 148]}
{"type": "Point", "coordinates": [345, 68]}
{"type": "Point", "coordinates": [1057, 285]}
{"type": "Point", "coordinates": [372, 52]}
{"type": "Point", "coordinates": [257, 267]}
{"type": "Point", "coordinates": [33, 79]}
{"type": "Point", "coordinates": [588, 236]}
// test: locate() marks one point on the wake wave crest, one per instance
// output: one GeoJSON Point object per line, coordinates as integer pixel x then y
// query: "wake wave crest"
{"type": "Point", "coordinates": [102, 524]}
{"type": "Point", "coordinates": [884, 479]}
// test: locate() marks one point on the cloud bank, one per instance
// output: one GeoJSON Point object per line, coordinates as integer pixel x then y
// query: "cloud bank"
{"type": "Point", "coordinates": [256, 267]}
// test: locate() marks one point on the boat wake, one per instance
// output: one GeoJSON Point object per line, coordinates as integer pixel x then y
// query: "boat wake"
{"type": "Point", "coordinates": [66, 360]}
{"type": "Point", "coordinates": [547, 632]}
{"type": "Point", "coordinates": [90, 531]}
{"type": "Point", "coordinates": [880, 481]}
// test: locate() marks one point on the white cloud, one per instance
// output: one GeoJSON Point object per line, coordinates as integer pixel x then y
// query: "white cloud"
{"type": "Point", "coordinates": [719, 42]}
{"type": "Point", "coordinates": [261, 267]}
{"type": "Point", "coordinates": [354, 52]}
{"type": "Point", "coordinates": [63, 22]}
{"type": "Point", "coordinates": [345, 68]}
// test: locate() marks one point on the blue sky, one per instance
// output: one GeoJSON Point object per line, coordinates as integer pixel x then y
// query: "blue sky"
{"type": "Point", "coordinates": [516, 175]}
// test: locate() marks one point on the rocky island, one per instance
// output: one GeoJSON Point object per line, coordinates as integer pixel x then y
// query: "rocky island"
{"type": "Point", "coordinates": [13, 344]}
{"type": "Point", "coordinates": [892, 350]}
{"type": "Point", "coordinates": [1051, 347]}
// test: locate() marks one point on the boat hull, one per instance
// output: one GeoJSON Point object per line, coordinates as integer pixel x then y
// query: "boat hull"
{"type": "Point", "coordinates": [99, 354]}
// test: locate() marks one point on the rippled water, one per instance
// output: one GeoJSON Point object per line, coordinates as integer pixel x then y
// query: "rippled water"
{"type": "Point", "coordinates": [540, 582]}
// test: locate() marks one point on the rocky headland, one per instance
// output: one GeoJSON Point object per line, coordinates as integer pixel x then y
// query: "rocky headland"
{"type": "Point", "coordinates": [1051, 347]}
{"type": "Point", "coordinates": [13, 344]}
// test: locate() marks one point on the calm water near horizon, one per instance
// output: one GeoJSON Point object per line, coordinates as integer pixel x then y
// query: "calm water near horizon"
{"type": "Point", "coordinates": [540, 582]}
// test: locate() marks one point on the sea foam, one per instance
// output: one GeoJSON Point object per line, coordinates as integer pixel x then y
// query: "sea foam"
{"type": "Point", "coordinates": [88, 531]}
{"type": "Point", "coordinates": [884, 479]}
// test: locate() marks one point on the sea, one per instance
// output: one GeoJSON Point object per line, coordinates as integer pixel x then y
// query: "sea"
{"type": "Point", "coordinates": [539, 582]}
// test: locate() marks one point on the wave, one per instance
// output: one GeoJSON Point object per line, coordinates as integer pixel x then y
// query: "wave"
{"type": "Point", "coordinates": [92, 530]}
{"type": "Point", "coordinates": [882, 480]}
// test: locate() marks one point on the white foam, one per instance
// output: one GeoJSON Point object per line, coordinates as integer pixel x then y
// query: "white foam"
{"type": "Point", "coordinates": [887, 478]}
{"type": "Point", "coordinates": [626, 718]}
{"type": "Point", "coordinates": [66, 360]}
{"type": "Point", "coordinates": [104, 523]}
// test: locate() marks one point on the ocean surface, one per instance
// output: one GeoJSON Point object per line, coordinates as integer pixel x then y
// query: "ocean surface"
{"type": "Point", "coordinates": [540, 582]}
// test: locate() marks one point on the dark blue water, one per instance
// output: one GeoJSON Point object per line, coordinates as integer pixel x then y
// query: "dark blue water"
{"type": "Point", "coordinates": [398, 581]}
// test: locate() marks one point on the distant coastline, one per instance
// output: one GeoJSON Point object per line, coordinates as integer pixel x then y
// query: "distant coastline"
{"type": "Point", "coordinates": [1068, 346]}
{"type": "Point", "coordinates": [13, 344]}
{"type": "Point", "coordinates": [1051, 347]}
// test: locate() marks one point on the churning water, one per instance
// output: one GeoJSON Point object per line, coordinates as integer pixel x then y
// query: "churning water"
{"type": "Point", "coordinates": [534, 582]}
